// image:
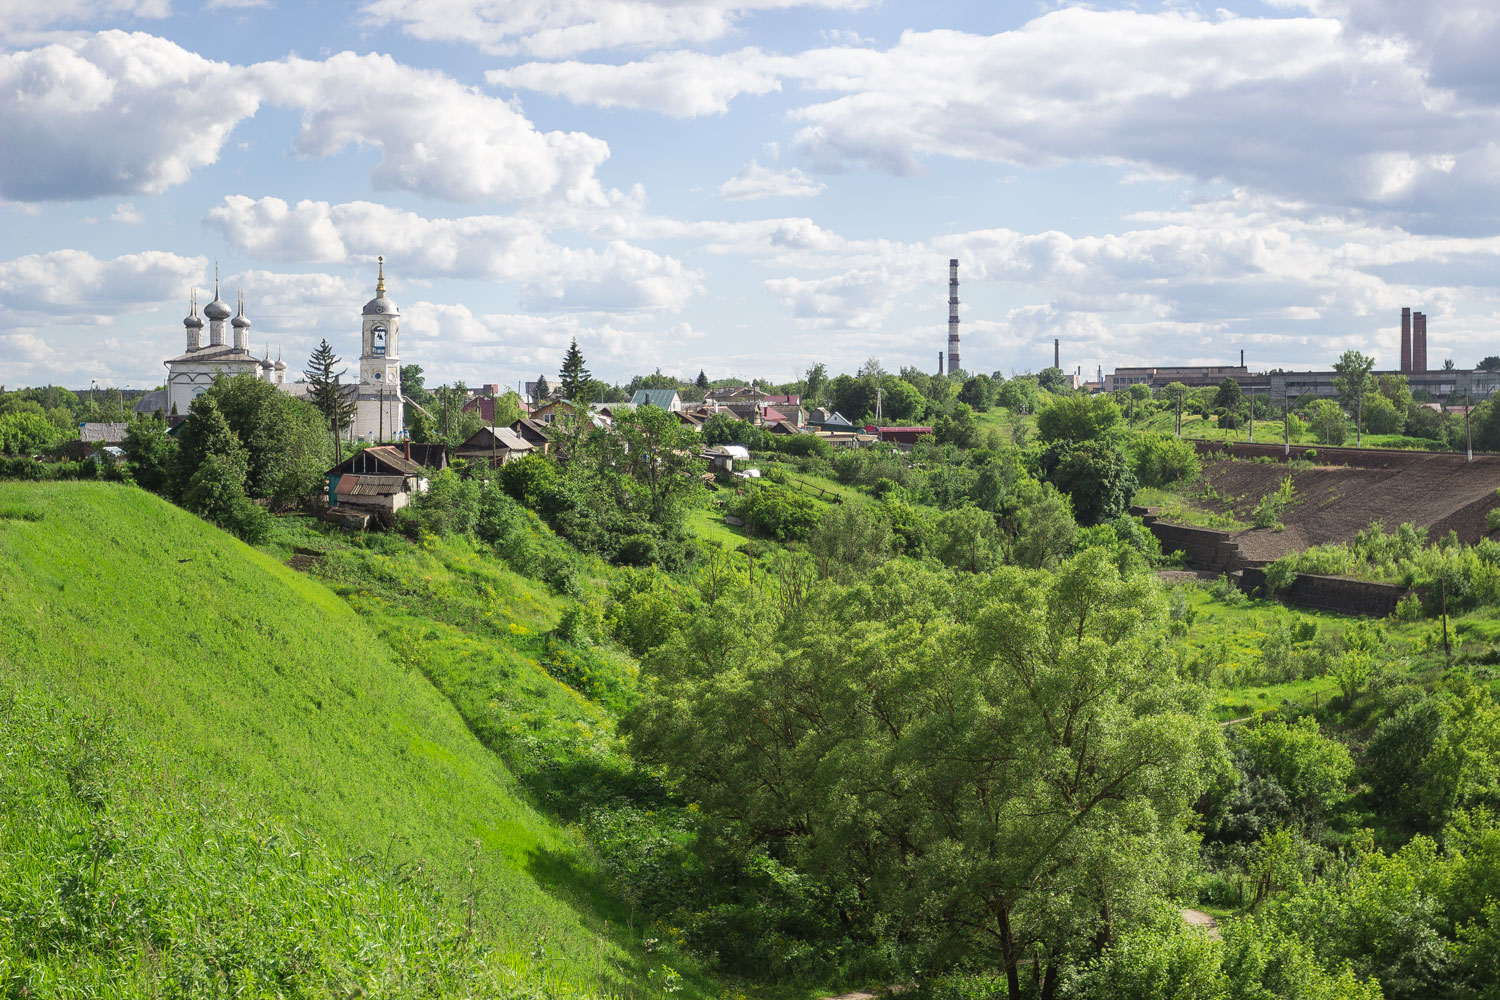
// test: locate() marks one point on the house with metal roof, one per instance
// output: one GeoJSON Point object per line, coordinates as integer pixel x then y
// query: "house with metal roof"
{"type": "Point", "coordinates": [493, 446]}
{"type": "Point", "coordinates": [666, 399]}
{"type": "Point", "coordinates": [381, 480]}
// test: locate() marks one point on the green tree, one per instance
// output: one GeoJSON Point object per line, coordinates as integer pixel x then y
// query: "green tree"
{"type": "Point", "coordinates": [24, 433]}
{"type": "Point", "coordinates": [1161, 460]}
{"type": "Point", "coordinates": [1326, 420]}
{"type": "Point", "coordinates": [1489, 363]}
{"type": "Point", "coordinates": [815, 384]}
{"type": "Point", "coordinates": [1076, 417]}
{"type": "Point", "coordinates": [1001, 768]}
{"type": "Point", "coordinates": [152, 454]}
{"type": "Point", "coordinates": [287, 447]}
{"type": "Point", "coordinates": [1353, 381]}
{"type": "Point", "coordinates": [1094, 475]}
{"type": "Point", "coordinates": [661, 457]}
{"type": "Point", "coordinates": [1381, 415]}
{"type": "Point", "coordinates": [853, 397]}
{"type": "Point", "coordinates": [702, 381]}
{"type": "Point", "coordinates": [575, 376]}
{"type": "Point", "coordinates": [327, 395]}
{"type": "Point", "coordinates": [211, 469]}
{"type": "Point", "coordinates": [1020, 395]}
{"type": "Point", "coordinates": [412, 386]}
{"type": "Point", "coordinates": [1054, 380]}
{"type": "Point", "coordinates": [976, 393]}
{"type": "Point", "coordinates": [543, 389]}
{"type": "Point", "coordinates": [900, 400]}
{"type": "Point", "coordinates": [958, 428]}
{"type": "Point", "coordinates": [1228, 395]}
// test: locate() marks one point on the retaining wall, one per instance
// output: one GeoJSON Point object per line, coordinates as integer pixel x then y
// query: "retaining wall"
{"type": "Point", "coordinates": [1355, 458]}
{"type": "Point", "coordinates": [1332, 593]}
{"type": "Point", "coordinates": [1203, 548]}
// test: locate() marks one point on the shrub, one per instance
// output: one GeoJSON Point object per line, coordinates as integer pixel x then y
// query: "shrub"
{"type": "Point", "coordinates": [784, 514]}
{"type": "Point", "coordinates": [1492, 520]}
{"type": "Point", "coordinates": [1268, 512]}
{"type": "Point", "coordinates": [1281, 574]}
{"type": "Point", "coordinates": [1408, 609]}
{"type": "Point", "coordinates": [1162, 459]}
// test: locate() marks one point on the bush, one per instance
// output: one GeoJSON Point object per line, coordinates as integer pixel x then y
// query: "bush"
{"type": "Point", "coordinates": [1162, 459]}
{"type": "Point", "coordinates": [1281, 574]}
{"type": "Point", "coordinates": [784, 514]}
{"type": "Point", "coordinates": [1268, 512]}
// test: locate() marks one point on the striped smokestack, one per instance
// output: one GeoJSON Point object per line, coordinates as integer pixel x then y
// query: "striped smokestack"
{"type": "Point", "coordinates": [1406, 338]}
{"type": "Point", "coordinates": [953, 316]}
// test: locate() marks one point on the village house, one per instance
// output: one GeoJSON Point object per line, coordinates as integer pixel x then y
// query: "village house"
{"type": "Point", "coordinates": [666, 399]}
{"type": "Point", "coordinates": [106, 437]}
{"type": "Point", "coordinates": [534, 433]}
{"type": "Point", "coordinates": [381, 480]}
{"type": "Point", "coordinates": [493, 446]}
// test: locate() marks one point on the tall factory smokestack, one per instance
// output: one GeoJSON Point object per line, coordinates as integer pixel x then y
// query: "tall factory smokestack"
{"type": "Point", "coordinates": [953, 365]}
{"type": "Point", "coordinates": [1419, 341]}
{"type": "Point", "coordinates": [940, 362]}
{"type": "Point", "coordinates": [1056, 353]}
{"type": "Point", "coordinates": [1242, 357]}
{"type": "Point", "coordinates": [1406, 338]}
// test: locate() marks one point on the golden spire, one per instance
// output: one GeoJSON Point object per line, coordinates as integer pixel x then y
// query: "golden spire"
{"type": "Point", "coordinates": [380, 283]}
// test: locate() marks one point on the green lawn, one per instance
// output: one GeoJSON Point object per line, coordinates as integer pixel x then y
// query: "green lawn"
{"type": "Point", "coordinates": [708, 524]}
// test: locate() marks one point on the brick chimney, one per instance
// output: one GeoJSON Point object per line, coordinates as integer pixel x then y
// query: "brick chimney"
{"type": "Point", "coordinates": [1419, 342]}
{"type": "Point", "coordinates": [408, 449]}
{"type": "Point", "coordinates": [1406, 338]}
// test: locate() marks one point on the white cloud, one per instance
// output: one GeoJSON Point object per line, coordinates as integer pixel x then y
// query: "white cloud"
{"type": "Point", "coordinates": [25, 16]}
{"type": "Point", "coordinates": [756, 181]}
{"type": "Point", "coordinates": [682, 84]}
{"type": "Point", "coordinates": [113, 113]}
{"type": "Point", "coordinates": [75, 283]}
{"type": "Point", "coordinates": [616, 277]}
{"type": "Point", "coordinates": [436, 137]}
{"type": "Point", "coordinates": [118, 113]}
{"type": "Point", "coordinates": [554, 28]}
{"type": "Point", "coordinates": [127, 214]}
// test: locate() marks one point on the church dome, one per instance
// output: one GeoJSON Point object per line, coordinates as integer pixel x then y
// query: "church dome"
{"type": "Point", "coordinates": [380, 305]}
{"type": "Point", "coordinates": [194, 320]}
{"type": "Point", "coordinates": [266, 365]}
{"type": "Point", "coordinates": [218, 309]}
{"type": "Point", "coordinates": [240, 322]}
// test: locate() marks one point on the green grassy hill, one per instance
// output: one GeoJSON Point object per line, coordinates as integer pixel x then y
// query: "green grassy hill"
{"type": "Point", "coordinates": [238, 688]}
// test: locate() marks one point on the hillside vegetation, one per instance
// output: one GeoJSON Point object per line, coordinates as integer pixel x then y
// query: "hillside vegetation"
{"type": "Point", "coordinates": [173, 700]}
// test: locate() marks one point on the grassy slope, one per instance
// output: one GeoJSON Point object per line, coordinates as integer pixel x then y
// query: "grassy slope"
{"type": "Point", "coordinates": [223, 666]}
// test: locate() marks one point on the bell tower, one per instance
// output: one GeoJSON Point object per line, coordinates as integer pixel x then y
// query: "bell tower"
{"type": "Point", "coordinates": [380, 410]}
{"type": "Point", "coordinates": [380, 355]}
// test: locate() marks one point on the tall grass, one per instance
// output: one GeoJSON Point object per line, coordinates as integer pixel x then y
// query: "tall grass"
{"type": "Point", "coordinates": [225, 670]}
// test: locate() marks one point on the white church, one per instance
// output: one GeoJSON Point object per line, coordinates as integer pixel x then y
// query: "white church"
{"type": "Point", "coordinates": [379, 407]}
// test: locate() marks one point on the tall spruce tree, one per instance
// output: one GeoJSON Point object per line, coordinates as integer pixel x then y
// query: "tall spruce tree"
{"type": "Point", "coordinates": [702, 382]}
{"type": "Point", "coordinates": [543, 390]}
{"type": "Point", "coordinates": [575, 377]}
{"type": "Point", "coordinates": [327, 394]}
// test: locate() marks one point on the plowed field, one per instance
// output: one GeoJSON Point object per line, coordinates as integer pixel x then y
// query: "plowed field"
{"type": "Point", "coordinates": [1438, 492]}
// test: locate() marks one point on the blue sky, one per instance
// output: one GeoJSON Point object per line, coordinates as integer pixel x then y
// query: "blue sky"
{"type": "Point", "coordinates": [749, 186]}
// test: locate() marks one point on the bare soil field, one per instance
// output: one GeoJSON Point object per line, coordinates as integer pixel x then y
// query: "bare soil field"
{"type": "Point", "coordinates": [1440, 492]}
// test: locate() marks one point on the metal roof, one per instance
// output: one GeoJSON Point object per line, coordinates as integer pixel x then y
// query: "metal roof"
{"type": "Point", "coordinates": [106, 432]}
{"type": "Point", "coordinates": [370, 486]}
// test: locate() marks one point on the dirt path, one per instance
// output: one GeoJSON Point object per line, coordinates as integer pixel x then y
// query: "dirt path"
{"type": "Point", "coordinates": [1197, 918]}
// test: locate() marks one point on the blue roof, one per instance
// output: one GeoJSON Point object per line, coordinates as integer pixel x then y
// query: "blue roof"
{"type": "Point", "coordinates": [654, 397]}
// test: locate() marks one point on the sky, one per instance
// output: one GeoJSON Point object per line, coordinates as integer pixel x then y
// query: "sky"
{"type": "Point", "coordinates": [748, 187]}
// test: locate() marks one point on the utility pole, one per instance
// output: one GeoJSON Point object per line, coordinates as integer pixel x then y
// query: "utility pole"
{"type": "Point", "coordinates": [1286, 423]}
